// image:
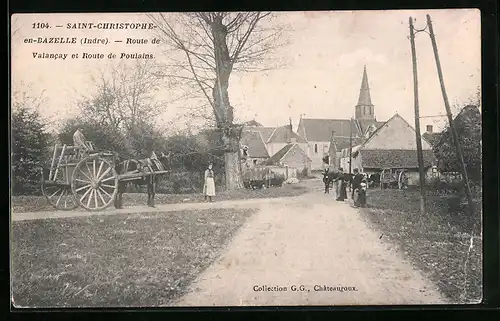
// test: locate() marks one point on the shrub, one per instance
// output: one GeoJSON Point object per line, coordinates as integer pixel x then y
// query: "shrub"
{"type": "Point", "coordinates": [445, 185]}
{"type": "Point", "coordinates": [180, 183]}
{"type": "Point", "coordinates": [276, 180]}
{"type": "Point", "coordinates": [304, 173]}
{"type": "Point", "coordinates": [29, 150]}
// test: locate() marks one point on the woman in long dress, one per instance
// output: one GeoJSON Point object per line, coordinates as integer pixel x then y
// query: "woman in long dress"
{"type": "Point", "coordinates": [341, 187]}
{"type": "Point", "coordinates": [209, 187]}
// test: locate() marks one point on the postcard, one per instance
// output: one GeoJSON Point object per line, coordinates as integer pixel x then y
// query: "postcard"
{"type": "Point", "coordinates": [213, 159]}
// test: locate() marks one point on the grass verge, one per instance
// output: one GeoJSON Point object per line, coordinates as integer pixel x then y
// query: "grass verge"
{"type": "Point", "coordinates": [118, 260]}
{"type": "Point", "coordinates": [438, 244]}
{"type": "Point", "coordinates": [21, 204]}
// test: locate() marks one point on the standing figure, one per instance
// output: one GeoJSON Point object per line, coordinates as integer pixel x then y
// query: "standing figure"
{"type": "Point", "coordinates": [356, 181]}
{"type": "Point", "coordinates": [209, 187]}
{"type": "Point", "coordinates": [341, 183]}
{"type": "Point", "coordinates": [326, 180]}
{"type": "Point", "coordinates": [360, 200]}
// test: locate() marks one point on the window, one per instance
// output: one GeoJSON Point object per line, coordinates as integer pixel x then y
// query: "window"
{"type": "Point", "coordinates": [315, 148]}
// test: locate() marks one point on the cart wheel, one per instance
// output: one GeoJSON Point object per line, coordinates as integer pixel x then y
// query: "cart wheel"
{"type": "Point", "coordinates": [59, 196]}
{"type": "Point", "coordinates": [402, 180]}
{"type": "Point", "coordinates": [94, 183]}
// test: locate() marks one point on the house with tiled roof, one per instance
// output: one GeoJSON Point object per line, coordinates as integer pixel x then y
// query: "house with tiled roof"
{"type": "Point", "coordinates": [282, 136]}
{"type": "Point", "coordinates": [391, 146]}
{"type": "Point", "coordinates": [291, 158]}
{"type": "Point", "coordinates": [255, 149]}
{"type": "Point", "coordinates": [319, 133]}
{"type": "Point", "coordinates": [273, 138]}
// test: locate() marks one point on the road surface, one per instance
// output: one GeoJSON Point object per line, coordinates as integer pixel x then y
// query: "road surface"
{"type": "Point", "coordinates": [305, 250]}
{"type": "Point", "coordinates": [311, 250]}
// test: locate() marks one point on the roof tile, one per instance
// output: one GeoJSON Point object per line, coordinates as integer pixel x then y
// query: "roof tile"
{"type": "Point", "coordinates": [253, 140]}
{"type": "Point", "coordinates": [276, 158]}
{"type": "Point", "coordinates": [281, 135]}
{"type": "Point", "coordinates": [320, 130]}
{"type": "Point", "coordinates": [395, 158]}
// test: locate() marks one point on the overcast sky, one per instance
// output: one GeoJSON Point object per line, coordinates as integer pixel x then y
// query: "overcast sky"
{"type": "Point", "coordinates": [326, 55]}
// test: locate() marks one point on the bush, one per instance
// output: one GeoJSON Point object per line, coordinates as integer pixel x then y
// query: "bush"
{"type": "Point", "coordinates": [277, 180]}
{"type": "Point", "coordinates": [180, 183]}
{"type": "Point", "coordinates": [304, 173]}
{"type": "Point", "coordinates": [445, 185]}
{"type": "Point", "coordinates": [29, 150]}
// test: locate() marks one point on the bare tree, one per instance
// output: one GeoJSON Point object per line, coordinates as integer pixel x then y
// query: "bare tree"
{"type": "Point", "coordinates": [125, 95]}
{"type": "Point", "coordinates": [213, 45]}
{"type": "Point", "coordinates": [23, 95]}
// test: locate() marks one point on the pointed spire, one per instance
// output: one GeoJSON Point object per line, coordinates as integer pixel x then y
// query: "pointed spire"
{"type": "Point", "coordinates": [364, 93]}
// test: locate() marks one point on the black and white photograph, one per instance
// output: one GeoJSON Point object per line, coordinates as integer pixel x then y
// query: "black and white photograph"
{"type": "Point", "coordinates": [215, 159]}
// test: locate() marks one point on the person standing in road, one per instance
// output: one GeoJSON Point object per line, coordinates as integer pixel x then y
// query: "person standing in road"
{"type": "Point", "coordinates": [209, 186]}
{"type": "Point", "coordinates": [356, 181]}
{"type": "Point", "coordinates": [341, 190]}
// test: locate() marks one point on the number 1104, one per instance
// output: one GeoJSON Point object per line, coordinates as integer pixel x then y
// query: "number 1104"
{"type": "Point", "coordinates": [40, 25]}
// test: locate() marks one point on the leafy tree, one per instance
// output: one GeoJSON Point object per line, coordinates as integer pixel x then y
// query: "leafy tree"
{"type": "Point", "coordinates": [468, 127]}
{"type": "Point", "coordinates": [29, 142]}
{"type": "Point", "coordinates": [192, 152]}
{"type": "Point", "coordinates": [105, 137]}
{"type": "Point", "coordinates": [143, 138]}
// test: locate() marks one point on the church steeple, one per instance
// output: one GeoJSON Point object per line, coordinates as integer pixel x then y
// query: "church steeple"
{"type": "Point", "coordinates": [364, 108]}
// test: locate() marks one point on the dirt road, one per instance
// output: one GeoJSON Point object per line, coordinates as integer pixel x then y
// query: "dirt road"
{"type": "Point", "coordinates": [307, 250]}
{"type": "Point", "coordinates": [316, 246]}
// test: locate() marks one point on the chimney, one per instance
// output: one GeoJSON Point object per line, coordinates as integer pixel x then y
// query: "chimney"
{"type": "Point", "coordinates": [290, 138]}
{"type": "Point", "coordinates": [429, 129]}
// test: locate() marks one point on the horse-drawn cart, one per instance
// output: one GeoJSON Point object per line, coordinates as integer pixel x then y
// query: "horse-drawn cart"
{"type": "Point", "coordinates": [89, 179]}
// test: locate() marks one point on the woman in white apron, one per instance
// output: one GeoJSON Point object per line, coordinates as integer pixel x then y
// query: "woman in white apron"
{"type": "Point", "coordinates": [209, 187]}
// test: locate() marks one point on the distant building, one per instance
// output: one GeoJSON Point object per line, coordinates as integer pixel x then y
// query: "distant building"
{"type": "Point", "coordinates": [392, 146]}
{"type": "Point", "coordinates": [319, 133]}
{"type": "Point", "coordinates": [291, 159]}
{"type": "Point", "coordinates": [254, 147]}
{"type": "Point", "coordinates": [272, 138]}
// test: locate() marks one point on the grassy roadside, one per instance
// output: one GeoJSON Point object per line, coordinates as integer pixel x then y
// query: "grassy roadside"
{"type": "Point", "coordinates": [20, 204]}
{"type": "Point", "coordinates": [118, 260]}
{"type": "Point", "coordinates": [438, 244]}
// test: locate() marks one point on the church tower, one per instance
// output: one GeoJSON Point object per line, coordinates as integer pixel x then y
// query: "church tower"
{"type": "Point", "coordinates": [364, 108]}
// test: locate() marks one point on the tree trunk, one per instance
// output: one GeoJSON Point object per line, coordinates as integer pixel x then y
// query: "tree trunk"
{"type": "Point", "coordinates": [222, 108]}
{"type": "Point", "coordinates": [233, 174]}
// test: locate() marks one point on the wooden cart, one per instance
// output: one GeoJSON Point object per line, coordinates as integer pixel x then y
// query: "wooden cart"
{"type": "Point", "coordinates": [88, 180]}
{"type": "Point", "coordinates": [392, 178]}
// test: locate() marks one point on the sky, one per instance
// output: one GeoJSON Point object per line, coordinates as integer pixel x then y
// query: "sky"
{"type": "Point", "coordinates": [325, 57]}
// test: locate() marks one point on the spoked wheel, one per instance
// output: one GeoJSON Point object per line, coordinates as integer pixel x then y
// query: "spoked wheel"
{"type": "Point", "coordinates": [94, 183]}
{"type": "Point", "coordinates": [402, 180]}
{"type": "Point", "coordinates": [59, 196]}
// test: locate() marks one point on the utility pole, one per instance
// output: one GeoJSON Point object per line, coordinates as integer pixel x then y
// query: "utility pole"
{"type": "Point", "coordinates": [417, 120]}
{"type": "Point", "coordinates": [350, 146]}
{"type": "Point", "coordinates": [450, 120]}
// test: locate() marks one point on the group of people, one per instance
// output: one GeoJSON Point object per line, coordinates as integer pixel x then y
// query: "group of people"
{"type": "Point", "coordinates": [341, 181]}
